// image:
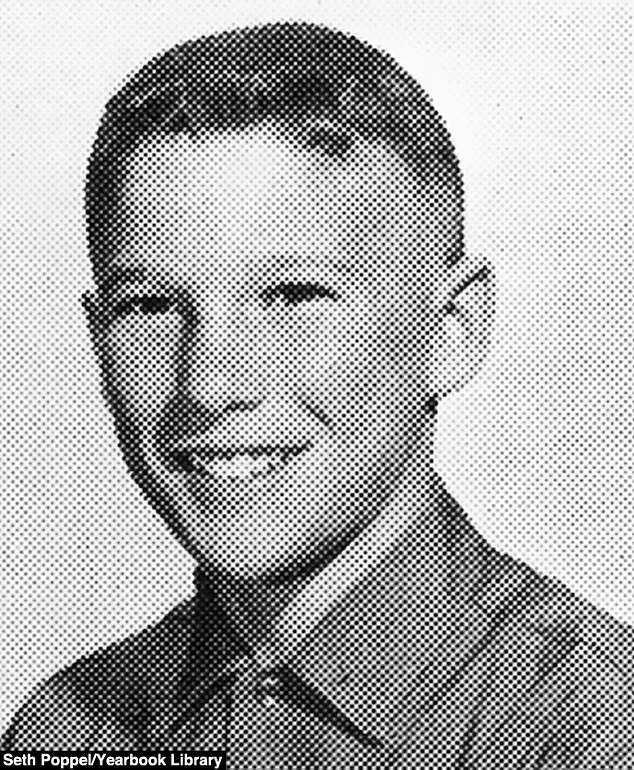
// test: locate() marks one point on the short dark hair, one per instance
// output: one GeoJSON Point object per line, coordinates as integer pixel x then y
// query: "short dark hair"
{"type": "Point", "coordinates": [331, 84]}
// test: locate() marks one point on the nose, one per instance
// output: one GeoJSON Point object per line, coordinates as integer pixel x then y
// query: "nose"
{"type": "Point", "coordinates": [223, 363]}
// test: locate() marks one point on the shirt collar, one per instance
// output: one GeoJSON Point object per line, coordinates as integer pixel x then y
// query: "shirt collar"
{"type": "Point", "coordinates": [387, 656]}
{"type": "Point", "coordinates": [410, 622]}
{"type": "Point", "coordinates": [331, 585]}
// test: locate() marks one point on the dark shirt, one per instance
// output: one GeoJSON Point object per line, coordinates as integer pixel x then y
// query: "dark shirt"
{"type": "Point", "coordinates": [485, 666]}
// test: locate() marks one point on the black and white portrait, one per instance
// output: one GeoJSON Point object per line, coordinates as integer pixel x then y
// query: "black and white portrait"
{"type": "Point", "coordinates": [316, 382]}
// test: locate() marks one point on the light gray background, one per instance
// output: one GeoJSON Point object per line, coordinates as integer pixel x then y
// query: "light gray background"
{"type": "Point", "coordinates": [538, 97]}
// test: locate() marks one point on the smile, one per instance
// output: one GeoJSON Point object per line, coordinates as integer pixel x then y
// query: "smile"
{"type": "Point", "coordinates": [238, 463]}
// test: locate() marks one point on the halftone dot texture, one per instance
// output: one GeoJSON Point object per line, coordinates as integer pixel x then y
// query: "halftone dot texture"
{"type": "Point", "coordinates": [254, 390]}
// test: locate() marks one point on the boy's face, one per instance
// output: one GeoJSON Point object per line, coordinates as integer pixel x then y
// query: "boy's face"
{"type": "Point", "coordinates": [266, 331]}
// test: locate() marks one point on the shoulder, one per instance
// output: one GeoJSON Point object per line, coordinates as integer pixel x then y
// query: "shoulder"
{"type": "Point", "coordinates": [568, 623]}
{"type": "Point", "coordinates": [520, 602]}
{"type": "Point", "coordinates": [562, 672]}
{"type": "Point", "coordinates": [107, 688]}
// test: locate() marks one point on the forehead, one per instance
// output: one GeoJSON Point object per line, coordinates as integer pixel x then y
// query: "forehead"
{"type": "Point", "coordinates": [259, 191]}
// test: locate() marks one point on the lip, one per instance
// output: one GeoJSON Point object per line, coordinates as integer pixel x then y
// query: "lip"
{"type": "Point", "coordinates": [241, 463]}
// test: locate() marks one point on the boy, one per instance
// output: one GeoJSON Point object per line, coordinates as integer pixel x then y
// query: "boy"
{"type": "Point", "coordinates": [275, 222]}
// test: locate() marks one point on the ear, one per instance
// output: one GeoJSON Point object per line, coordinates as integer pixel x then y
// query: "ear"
{"type": "Point", "coordinates": [466, 300]}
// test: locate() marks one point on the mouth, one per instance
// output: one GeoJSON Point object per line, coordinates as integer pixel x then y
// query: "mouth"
{"type": "Point", "coordinates": [243, 463]}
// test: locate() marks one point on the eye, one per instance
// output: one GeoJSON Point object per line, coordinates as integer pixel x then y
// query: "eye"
{"type": "Point", "coordinates": [293, 293]}
{"type": "Point", "coordinates": [151, 304]}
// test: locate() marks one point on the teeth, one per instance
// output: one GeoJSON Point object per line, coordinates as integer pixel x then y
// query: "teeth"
{"type": "Point", "coordinates": [242, 465]}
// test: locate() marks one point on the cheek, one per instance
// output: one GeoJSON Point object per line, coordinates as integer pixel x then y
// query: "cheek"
{"type": "Point", "coordinates": [140, 365]}
{"type": "Point", "coordinates": [367, 355]}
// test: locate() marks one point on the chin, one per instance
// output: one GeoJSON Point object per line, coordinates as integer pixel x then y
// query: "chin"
{"type": "Point", "coordinates": [249, 548]}
{"type": "Point", "coordinates": [250, 565]}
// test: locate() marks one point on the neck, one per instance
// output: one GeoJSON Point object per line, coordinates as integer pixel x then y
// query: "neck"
{"type": "Point", "coordinates": [254, 605]}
